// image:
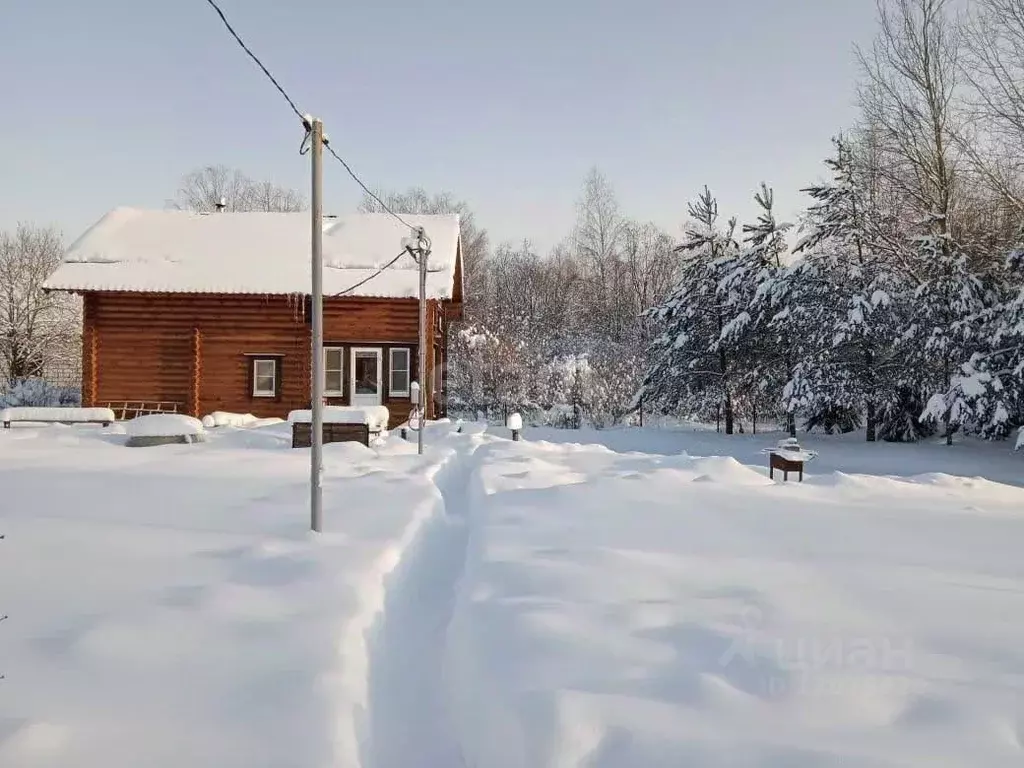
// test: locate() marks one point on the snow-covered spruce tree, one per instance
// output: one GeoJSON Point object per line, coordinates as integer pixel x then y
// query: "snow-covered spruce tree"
{"type": "Point", "coordinates": [938, 338]}
{"type": "Point", "coordinates": [909, 97]}
{"type": "Point", "coordinates": [988, 391]}
{"type": "Point", "coordinates": [693, 364]}
{"type": "Point", "coordinates": [838, 298]}
{"type": "Point", "coordinates": [767, 338]}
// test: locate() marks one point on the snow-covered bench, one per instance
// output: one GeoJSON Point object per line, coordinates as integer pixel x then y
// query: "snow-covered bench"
{"type": "Point", "coordinates": [103, 416]}
{"type": "Point", "coordinates": [341, 424]}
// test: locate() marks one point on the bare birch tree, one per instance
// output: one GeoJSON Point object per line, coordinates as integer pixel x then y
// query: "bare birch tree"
{"type": "Point", "coordinates": [475, 242]}
{"type": "Point", "coordinates": [204, 188]}
{"type": "Point", "coordinates": [911, 77]}
{"type": "Point", "coordinates": [994, 68]}
{"type": "Point", "coordinates": [597, 240]}
{"type": "Point", "coordinates": [651, 266]}
{"type": "Point", "coordinates": [39, 331]}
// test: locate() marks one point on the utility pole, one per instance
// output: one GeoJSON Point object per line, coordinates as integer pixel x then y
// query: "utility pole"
{"type": "Point", "coordinates": [316, 468]}
{"type": "Point", "coordinates": [424, 252]}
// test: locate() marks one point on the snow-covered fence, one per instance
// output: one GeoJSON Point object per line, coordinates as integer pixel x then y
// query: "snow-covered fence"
{"type": "Point", "coordinates": [103, 416]}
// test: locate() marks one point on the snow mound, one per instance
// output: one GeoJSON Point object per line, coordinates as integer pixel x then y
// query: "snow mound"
{"type": "Point", "coordinates": [350, 451]}
{"type": "Point", "coordinates": [163, 425]}
{"type": "Point", "coordinates": [226, 419]}
{"type": "Point", "coordinates": [726, 469]}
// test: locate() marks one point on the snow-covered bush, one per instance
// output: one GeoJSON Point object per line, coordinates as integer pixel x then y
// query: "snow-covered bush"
{"type": "Point", "coordinates": [226, 419]}
{"type": "Point", "coordinates": [832, 419]}
{"type": "Point", "coordinates": [38, 393]}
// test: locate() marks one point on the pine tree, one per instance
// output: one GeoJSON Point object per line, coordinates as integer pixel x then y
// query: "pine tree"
{"type": "Point", "coordinates": [987, 393]}
{"type": "Point", "coordinates": [840, 297]}
{"type": "Point", "coordinates": [768, 339]}
{"type": "Point", "coordinates": [694, 364]}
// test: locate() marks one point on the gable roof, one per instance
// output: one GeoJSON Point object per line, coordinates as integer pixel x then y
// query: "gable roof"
{"type": "Point", "coordinates": [167, 251]}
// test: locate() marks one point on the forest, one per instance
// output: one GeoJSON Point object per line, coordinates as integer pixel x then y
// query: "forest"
{"type": "Point", "coordinates": [893, 304]}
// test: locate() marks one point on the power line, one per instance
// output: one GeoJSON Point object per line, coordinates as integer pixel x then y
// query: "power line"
{"type": "Point", "coordinates": [301, 116]}
{"type": "Point", "coordinates": [259, 63]}
{"type": "Point", "coordinates": [365, 280]}
{"type": "Point", "coordinates": [366, 189]}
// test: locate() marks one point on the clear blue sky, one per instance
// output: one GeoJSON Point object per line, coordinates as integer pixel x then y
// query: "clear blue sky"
{"type": "Point", "coordinates": [506, 104]}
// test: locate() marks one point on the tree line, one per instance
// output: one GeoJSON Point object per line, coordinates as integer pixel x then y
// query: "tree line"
{"type": "Point", "coordinates": [899, 306]}
{"type": "Point", "coordinates": [894, 302]}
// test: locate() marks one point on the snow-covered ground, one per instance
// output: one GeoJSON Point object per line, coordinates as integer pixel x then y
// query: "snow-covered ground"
{"type": "Point", "coordinates": [549, 602]}
{"type": "Point", "coordinates": [168, 606]}
{"type": "Point", "coordinates": [640, 610]}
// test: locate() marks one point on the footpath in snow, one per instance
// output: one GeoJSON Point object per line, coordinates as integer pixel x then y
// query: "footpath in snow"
{"type": "Point", "coordinates": [623, 610]}
{"type": "Point", "coordinates": [168, 606]}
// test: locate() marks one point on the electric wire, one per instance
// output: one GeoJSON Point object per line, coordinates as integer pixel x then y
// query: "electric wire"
{"type": "Point", "coordinates": [304, 118]}
{"type": "Point", "coordinates": [365, 280]}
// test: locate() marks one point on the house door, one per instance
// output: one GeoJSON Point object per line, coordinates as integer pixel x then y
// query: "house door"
{"type": "Point", "coordinates": [367, 376]}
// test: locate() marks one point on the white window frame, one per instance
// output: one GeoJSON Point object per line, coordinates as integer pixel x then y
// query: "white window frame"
{"type": "Point", "coordinates": [256, 363]}
{"type": "Point", "coordinates": [392, 392]}
{"type": "Point", "coordinates": [341, 370]}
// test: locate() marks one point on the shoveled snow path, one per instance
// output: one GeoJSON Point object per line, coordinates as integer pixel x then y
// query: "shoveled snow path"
{"type": "Point", "coordinates": [408, 718]}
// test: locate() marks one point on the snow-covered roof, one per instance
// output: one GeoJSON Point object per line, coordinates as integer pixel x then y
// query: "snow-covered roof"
{"type": "Point", "coordinates": [168, 251]}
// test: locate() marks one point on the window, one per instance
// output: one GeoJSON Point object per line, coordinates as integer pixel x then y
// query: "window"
{"type": "Point", "coordinates": [399, 360]}
{"type": "Point", "coordinates": [334, 371]}
{"type": "Point", "coordinates": [265, 377]}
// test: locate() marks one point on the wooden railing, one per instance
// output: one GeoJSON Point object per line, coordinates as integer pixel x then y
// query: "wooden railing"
{"type": "Point", "coordinates": [129, 409]}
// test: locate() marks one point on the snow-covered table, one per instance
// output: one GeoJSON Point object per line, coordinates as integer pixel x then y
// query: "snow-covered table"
{"type": "Point", "coordinates": [788, 457]}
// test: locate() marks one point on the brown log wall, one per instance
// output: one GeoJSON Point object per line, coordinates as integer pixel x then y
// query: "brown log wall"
{"type": "Point", "coordinates": [196, 349]}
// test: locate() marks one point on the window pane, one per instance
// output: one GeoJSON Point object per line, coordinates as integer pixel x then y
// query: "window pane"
{"type": "Point", "coordinates": [264, 377]}
{"type": "Point", "coordinates": [366, 373]}
{"type": "Point", "coordinates": [400, 371]}
{"type": "Point", "coordinates": [332, 359]}
{"type": "Point", "coordinates": [332, 380]}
